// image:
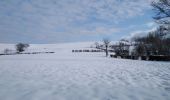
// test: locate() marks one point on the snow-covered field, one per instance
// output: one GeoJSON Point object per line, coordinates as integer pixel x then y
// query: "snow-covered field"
{"type": "Point", "coordinates": [80, 76]}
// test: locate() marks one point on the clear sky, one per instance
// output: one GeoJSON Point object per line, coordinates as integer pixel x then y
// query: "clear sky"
{"type": "Point", "coordinates": [53, 21]}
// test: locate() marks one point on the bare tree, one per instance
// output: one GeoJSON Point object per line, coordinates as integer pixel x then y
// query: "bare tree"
{"type": "Point", "coordinates": [96, 45]}
{"type": "Point", "coordinates": [20, 47]}
{"type": "Point", "coordinates": [140, 49]}
{"type": "Point", "coordinates": [162, 9]}
{"type": "Point", "coordinates": [106, 45]}
{"type": "Point", "coordinates": [7, 51]}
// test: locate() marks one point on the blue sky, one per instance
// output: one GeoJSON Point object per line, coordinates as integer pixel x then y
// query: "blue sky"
{"type": "Point", "coordinates": [54, 21]}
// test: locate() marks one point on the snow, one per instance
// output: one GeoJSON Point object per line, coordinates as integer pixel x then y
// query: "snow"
{"type": "Point", "coordinates": [80, 76]}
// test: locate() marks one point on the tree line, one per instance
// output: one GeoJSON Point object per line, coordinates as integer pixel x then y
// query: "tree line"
{"type": "Point", "coordinates": [156, 42]}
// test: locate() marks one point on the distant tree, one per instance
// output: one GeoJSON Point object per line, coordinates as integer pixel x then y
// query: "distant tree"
{"type": "Point", "coordinates": [124, 40]}
{"type": "Point", "coordinates": [20, 47]}
{"type": "Point", "coordinates": [167, 46]}
{"type": "Point", "coordinates": [7, 51]}
{"type": "Point", "coordinates": [121, 48]}
{"type": "Point", "coordinates": [96, 45]}
{"type": "Point", "coordinates": [162, 9]}
{"type": "Point", "coordinates": [140, 49]}
{"type": "Point", "coordinates": [106, 45]}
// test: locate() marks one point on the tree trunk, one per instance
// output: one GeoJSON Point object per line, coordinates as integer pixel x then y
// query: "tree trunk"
{"type": "Point", "coordinates": [106, 51]}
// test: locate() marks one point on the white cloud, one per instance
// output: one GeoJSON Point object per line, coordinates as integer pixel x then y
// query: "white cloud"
{"type": "Point", "coordinates": [99, 30]}
{"type": "Point", "coordinates": [44, 17]}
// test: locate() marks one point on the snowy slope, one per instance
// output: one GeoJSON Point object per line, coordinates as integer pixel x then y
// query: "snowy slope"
{"type": "Point", "coordinates": [80, 76]}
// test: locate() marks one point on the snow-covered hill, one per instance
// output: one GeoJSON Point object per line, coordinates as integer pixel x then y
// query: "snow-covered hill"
{"type": "Point", "coordinates": [80, 76]}
{"type": "Point", "coordinates": [49, 47]}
